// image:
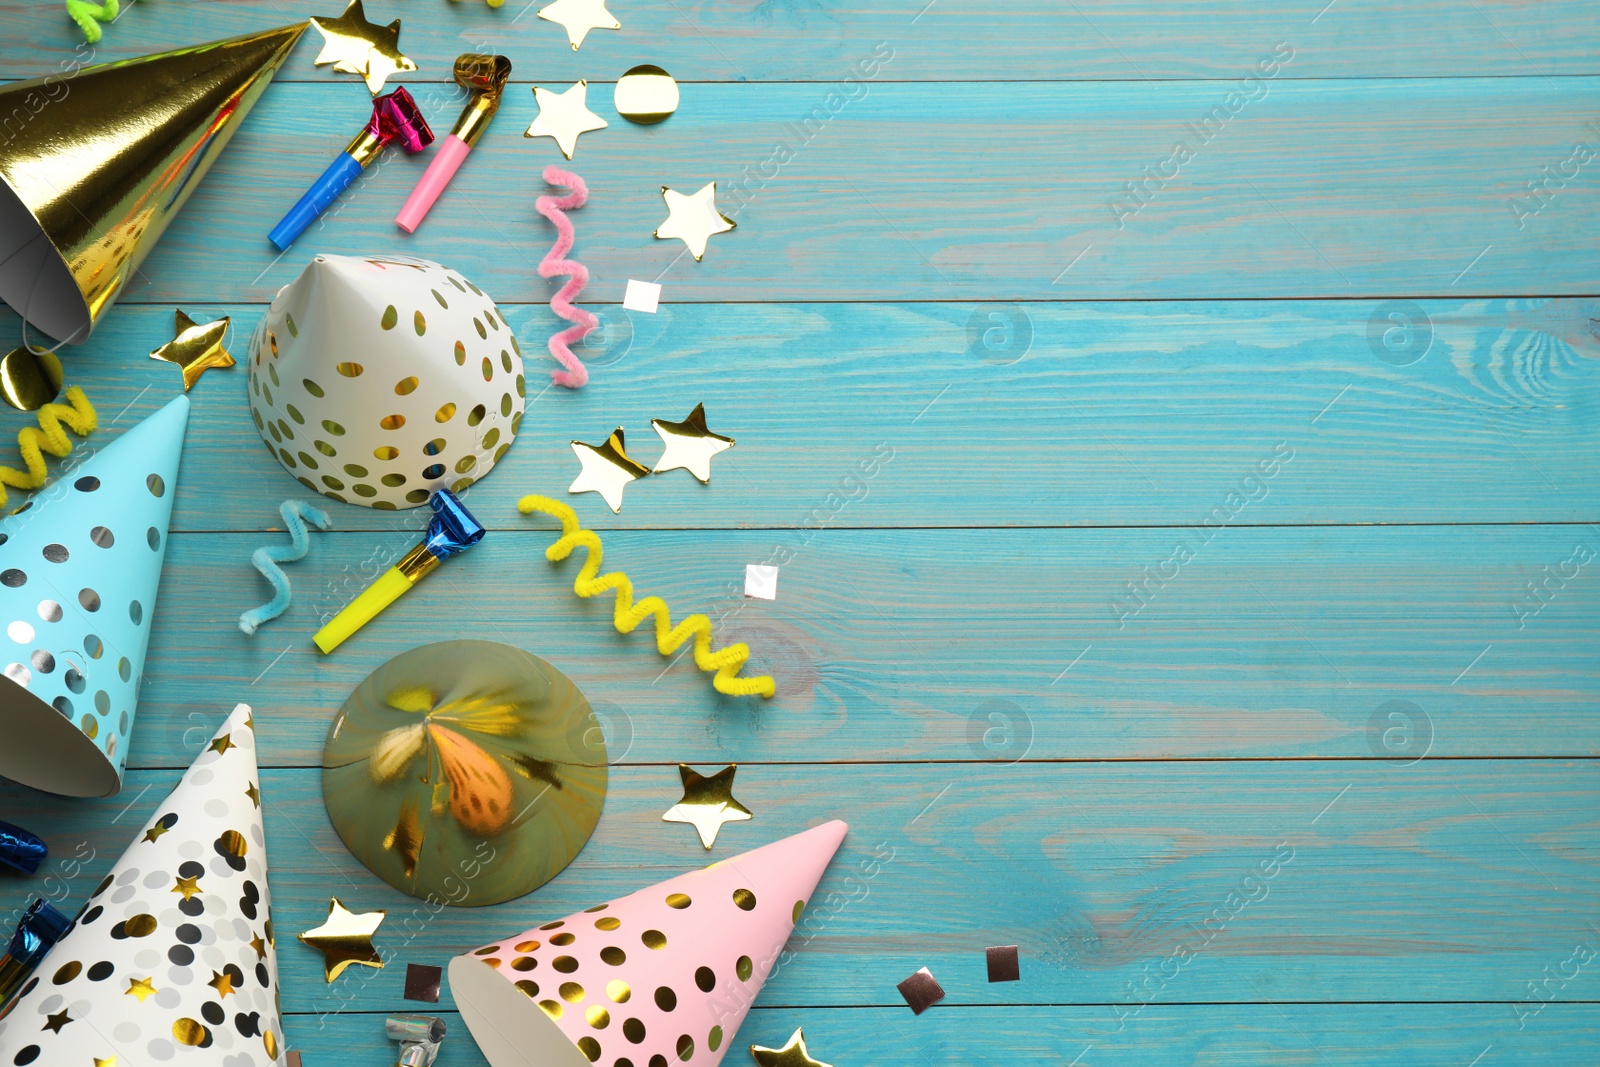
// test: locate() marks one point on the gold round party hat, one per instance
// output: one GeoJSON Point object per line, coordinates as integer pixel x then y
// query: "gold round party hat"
{"type": "Point", "coordinates": [465, 772]}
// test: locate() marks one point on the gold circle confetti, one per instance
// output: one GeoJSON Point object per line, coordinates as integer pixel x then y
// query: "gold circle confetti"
{"type": "Point", "coordinates": [189, 1032]}
{"type": "Point", "coordinates": [646, 94]}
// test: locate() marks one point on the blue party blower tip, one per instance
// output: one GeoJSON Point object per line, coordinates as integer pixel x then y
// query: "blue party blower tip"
{"type": "Point", "coordinates": [20, 850]}
{"type": "Point", "coordinates": [40, 927]}
{"type": "Point", "coordinates": [395, 118]}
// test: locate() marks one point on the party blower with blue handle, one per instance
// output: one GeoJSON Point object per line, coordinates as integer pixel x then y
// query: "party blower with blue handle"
{"type": "Point", "coordinates": [451, 530]}
{"type": "Point", "coordinates": [395, 119]}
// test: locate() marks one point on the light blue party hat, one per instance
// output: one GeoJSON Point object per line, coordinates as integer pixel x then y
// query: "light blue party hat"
{"type": "Point", "coordinates": [79, 567]}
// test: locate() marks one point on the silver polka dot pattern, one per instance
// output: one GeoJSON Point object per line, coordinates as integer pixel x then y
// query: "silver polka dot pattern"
{"type": "Point", "coordinates": [136, 922]}
{"type": "Point", "coordinates": [91, 584]}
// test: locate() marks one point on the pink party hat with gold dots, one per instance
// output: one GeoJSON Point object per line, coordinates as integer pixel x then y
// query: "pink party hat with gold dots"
{"type": "Point", "coordinates": [662, 976]}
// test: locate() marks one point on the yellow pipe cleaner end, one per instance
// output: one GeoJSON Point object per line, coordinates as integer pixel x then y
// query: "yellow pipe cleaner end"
{"type": "Point", "coordinates": [48, 437]}
{"type": "Point", "coordinates": [88, 16]}
{"type": "Point", "coordinates": [726, 662]}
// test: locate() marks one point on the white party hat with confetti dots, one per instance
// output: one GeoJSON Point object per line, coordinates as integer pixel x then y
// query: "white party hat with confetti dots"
{"type": "Point", "coordinates": [79, 568]}
{"type": "Point", "coordinates": [664, 975]}
{"type": "Point", "coordinates": [172, 958]}
{"type": "Point", "coordinates": [376, 380]}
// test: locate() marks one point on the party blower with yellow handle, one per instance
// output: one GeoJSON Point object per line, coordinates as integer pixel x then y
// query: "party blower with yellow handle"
{"type": "Point", "coordinates": [451, 530]}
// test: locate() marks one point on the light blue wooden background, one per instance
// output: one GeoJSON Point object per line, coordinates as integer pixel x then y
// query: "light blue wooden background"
{"type": "Point", "coordinates": [939, 275]}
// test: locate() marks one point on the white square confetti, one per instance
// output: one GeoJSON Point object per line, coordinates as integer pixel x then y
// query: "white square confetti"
{"type": "Point", "coordinates": [761, 581]}
{"type": "Point", "coordinates": [641, 296]}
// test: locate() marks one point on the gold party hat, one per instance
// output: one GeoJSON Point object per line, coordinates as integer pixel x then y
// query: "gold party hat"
{"type": "Point", "coordinates": [94, 165]}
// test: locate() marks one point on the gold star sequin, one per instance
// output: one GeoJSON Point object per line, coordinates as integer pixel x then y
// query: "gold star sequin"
{"type": "Point", "coordinates": [707, 802]}
{"type": "Point", "coordinates": [260, 946]}
{"type": "Point", "coordinates": [189, 887]}
{"type": "Point", "coordinates": [55, 1022]}
{"type": "Point", "coordinates": [355, 46]}
{"type": "Point", "coordinates": [141, 988]}
{"type": "Point", "coordinates": [345, 938]}
{"type": "Point", "coordinates": [606, 469]}
{"type": "Point", "coordinates": [222, 983]}
{"type": "Point", "coordinates": [254, 794]}
{"type": "Point", "coordinates": [195, 348]}
{"type": "Point", "coordinates": [221, 744]}
{"type": "Point", "coordinates": [154, 832]}
{"type": "Point", "coordinates": [693, 219]}
{"type": "Point", "coordinates": [563, 116]}
{"type": "Point", "coordinates": [579, 17]}
{"type": "Point", "coordinates": [794, 1054]}
{"type": "Point", "coordinates": [689, 444]}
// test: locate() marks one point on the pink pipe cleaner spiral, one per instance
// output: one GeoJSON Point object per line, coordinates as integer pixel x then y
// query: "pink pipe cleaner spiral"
{"type": "Point", "coordinates": [555, 262]}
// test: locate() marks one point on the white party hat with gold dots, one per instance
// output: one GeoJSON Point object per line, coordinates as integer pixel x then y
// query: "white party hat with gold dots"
{"type": "Point", "coordinates": [377, 380]}
{"type": "Point", "coordinates": [172, 958]}
{"type": "Point", "coordinates": [79, 568]}
{"type": "Point", "coordinates": [661, 976]}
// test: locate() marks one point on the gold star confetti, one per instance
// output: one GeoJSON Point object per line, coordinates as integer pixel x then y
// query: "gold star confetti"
{"type": "Point", "coordinates": [355, 46]}
{"type": "Point", "coordinates": [260, 946]}
{"type": "Point", "coordinates": [189, 887]}
{"type": "Point", "coordinates": [254, 794]}
{"type": "Point", "coordinates": [563, 116]}
{"type": "Point", "coordinates": [222, 983]}
{"type": "Point", "coordinates": [250, 721]}
{"type": "Point", "coordinates": [55, 1022]}
{"type": "Point", "coordinates": [689, 444]}
{"type": "Point", "coordinates": [141, 988]}
{"type": "Point", "coordinates": [109, 1061]}
{"type": "Point", "coordinates": [156, 831]}
{"type": "Point", "coordinates": [794, 1054]}
{"type": "Point", "coordinates": [707, 802]}
{"type": "Point", "coordinates": [579, 17]}
{"type": "Point", "coordinates": [220, 745]}
{"type": "Point", "coordinates": [345, 938]}
{"type": "Point", "coordinates": [195, 348]}
{"type": "Point", "coordinates": [693, 219]}
{"type": "Point", "coordinates": [606, 469]}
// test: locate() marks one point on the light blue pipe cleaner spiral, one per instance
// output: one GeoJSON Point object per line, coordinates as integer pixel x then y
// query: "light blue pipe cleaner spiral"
{"type": "Point", "coordinates": [266, 559]}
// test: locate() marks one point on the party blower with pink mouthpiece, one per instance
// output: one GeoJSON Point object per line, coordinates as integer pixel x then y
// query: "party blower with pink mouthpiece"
{"type": "Point", "coordinates": [484, 77]}
{"type": "Point", "coordinates": [395, 119]}
{"type": "Point", "coordinates": [665, 975]}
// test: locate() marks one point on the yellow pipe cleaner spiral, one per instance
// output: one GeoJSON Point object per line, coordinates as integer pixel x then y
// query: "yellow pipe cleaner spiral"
{"type": "Point", "coordinates": [49, 437]}
{"type": "Point", "coordinates": [726, 662]}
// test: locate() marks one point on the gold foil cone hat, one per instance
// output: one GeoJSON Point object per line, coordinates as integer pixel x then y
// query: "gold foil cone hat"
{"type": "Point", "coordinates": [465, 772]}
{"type": "Point", "coordinates": [93, 166]}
